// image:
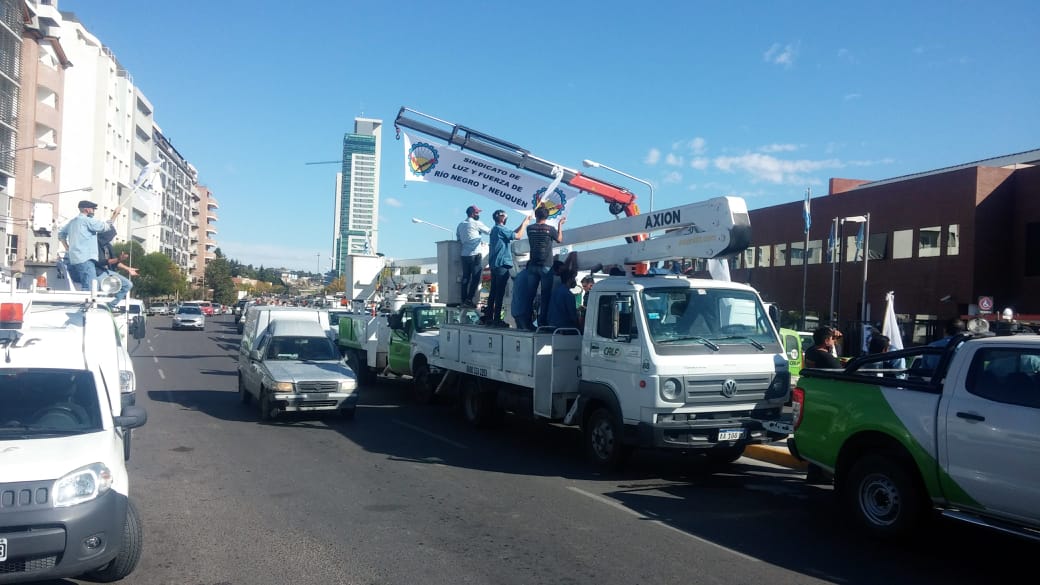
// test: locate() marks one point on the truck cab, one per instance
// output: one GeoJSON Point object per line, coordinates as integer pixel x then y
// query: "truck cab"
{"type": "Point", "coordinates": [707, 351]}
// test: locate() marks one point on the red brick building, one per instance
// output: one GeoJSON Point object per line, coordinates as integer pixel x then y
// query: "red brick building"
{"type": "Point", "coordinates": [939, 240]}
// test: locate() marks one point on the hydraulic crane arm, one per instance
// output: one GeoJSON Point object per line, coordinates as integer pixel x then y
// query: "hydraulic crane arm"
{"type": "Point", "coordinates": [620, 200]}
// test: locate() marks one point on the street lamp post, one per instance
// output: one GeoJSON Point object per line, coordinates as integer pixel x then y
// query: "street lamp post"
{"type": "Point", "coordinates": [440, 227]}
{"type": "Point", "coordinates": [595, 165]}
{"type": "Point", "coordinates": [43, 145]}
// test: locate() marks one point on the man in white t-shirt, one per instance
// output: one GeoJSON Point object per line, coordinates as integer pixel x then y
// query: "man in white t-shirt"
{"type": "Point", "coordinates": [468, 233]}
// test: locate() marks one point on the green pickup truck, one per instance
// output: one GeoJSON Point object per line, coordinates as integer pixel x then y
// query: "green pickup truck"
{"type": "Point", "coordinates": [953, 429]}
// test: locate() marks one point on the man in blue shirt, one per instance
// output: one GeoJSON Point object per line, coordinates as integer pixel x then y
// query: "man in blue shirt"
{"type": "Point", "coordinates": [501, 262]}
{"type": "Point", "coordinates": [80, 238]}
{"type": "Point", "coordinates": [468, 234]}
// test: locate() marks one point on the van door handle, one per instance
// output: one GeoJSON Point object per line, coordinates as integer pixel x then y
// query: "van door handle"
{"type": "Point", "coordinates": [971, 416]}
{"type": "Point", "coordinates": [593, 347]}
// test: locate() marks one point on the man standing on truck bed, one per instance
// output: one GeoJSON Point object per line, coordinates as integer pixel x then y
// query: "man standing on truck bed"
{"type": "Point", "coordinates": [501, 262]}
{"type": "Point", "coordinates": [468, 234]}
{"type": "Point", "coordinates": [541, 237]}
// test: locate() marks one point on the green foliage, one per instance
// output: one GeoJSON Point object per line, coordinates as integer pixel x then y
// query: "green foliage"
{"type": "Point", "coordinates": [218, 278]}
{"type": "Point", "coordinates": [157, 275]}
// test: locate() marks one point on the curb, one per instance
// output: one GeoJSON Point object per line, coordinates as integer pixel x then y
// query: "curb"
{"type": "Point", "coordinates": [776, 455]}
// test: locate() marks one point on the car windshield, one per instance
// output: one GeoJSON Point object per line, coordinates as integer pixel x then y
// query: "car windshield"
{"type": "Point", "coordinates": [301, 349]}
{"type": "Point", "coordinates": [706, 316]}
{"type": "Point", "coordinates": [189, 311]}
{"type": "Point", "coordinates": [428, 318]}
{"type": "Point", "coordinates": [47, 403]}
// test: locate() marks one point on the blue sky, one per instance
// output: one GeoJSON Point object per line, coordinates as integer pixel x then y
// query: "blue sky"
{"type": "Point", "coordinates": [701, 98]}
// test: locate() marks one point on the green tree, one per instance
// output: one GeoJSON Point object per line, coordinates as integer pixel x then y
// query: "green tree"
{"type": "Point", "coordinates": [218, 277]}
{"type": "Point", "coordinates": [157, 275]}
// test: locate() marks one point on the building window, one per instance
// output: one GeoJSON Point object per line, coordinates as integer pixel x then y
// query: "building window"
{"type": "Point", "coordinates": [749, 257]}
{"type": "Point", "coordinates": [815, 253]}
{"type": "Point", "coordinates": [797, 253]}
{"type": "Point", "coordinates": [953, 239]}
{"type": "Point", "coordinates": [762, 261]}
{"type": "Point", "coordinates": [903, 244]}
{"type": "Point", "coordinates": [1032, 249]}
{"type": "Point", "coordinates": [928, 241]}
{"type": "Point", "coordinates": [780, 255]}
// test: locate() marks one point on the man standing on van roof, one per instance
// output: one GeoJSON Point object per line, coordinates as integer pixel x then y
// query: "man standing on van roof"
{"type": "Point", "coordinates": [80, 238]}
{"type": "Point", "coordinates": [468, 234]}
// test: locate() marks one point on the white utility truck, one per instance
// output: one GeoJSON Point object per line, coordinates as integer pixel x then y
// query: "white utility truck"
{"type": "Point", "coordinates": [663, 361]}
{"type": "Point", "coordinates": [66, 394]}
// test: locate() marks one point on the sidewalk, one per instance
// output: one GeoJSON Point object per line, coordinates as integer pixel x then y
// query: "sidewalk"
{"type": "Point", "coordinates": [777, 454]}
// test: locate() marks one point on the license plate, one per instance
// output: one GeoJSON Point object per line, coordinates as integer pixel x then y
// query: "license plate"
{"type": "Point", "coordinates": [731, 434]}
{"type": "Point", "coordinates": [3, 549]}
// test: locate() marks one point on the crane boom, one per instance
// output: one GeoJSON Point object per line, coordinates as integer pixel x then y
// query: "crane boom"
{"type": "Point", "coordinates": [620, 199]}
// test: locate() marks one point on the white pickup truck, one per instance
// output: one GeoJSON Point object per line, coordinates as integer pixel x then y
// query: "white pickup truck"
{"type": "Point", "coordinates": [958, 431]}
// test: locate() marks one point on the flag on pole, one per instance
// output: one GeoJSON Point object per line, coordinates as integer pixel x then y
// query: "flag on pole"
{"type": "Point", "coordinates": [805, 212]}
{"type": "Point", "coordinates": [144, 188]}
{"type": "Point", "coordinates": [831, 244]}
{"type": "Point", "coordinates": [890, 328]}
{"type": "Point", "coordinates": [859, 243]}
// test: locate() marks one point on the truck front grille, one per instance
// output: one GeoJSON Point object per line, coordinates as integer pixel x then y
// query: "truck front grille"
{"type": "Point", "coordinates": [32, 565]}
{"type": "Point", "coordinates": [24, 496]}
{"type": "Point", "coordinates": [317, 386]}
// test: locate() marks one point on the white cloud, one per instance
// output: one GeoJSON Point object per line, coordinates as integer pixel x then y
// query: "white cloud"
{"type": "Point", "coordinates": [852, 96]}
{"type": "Point", "coordinates": [700, 163]}
{"type": "Point", "coordinates": [698, 145]}
{"type": "Point", "coordinates": [672, 178]}
{"type": "Point", "coordinates": [763, 167]}
{"type": "Point", "coordinates": [783, 55]}
{"type": "Point", "coordinates": [778, 148]}
{"type": "Point", "coordinates": [673, 160]}
{"type": "Point", "coordinates": [392, 202]}
{"type": "Point", "coordinates": [652, 157]}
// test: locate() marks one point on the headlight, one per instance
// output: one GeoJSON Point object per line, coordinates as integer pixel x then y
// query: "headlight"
{"type": "Point", "coordinates": [672, 390]}
{"type": "Point", "coordinates": [283, 387]}
{"type": "Point", "coordinates": [126, 381]}
{"type": "Point", "coordinates": [82, 485]}
{"type": "Point", "coordinates": [348, 384]}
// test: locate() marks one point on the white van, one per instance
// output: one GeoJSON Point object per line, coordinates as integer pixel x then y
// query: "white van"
{"type": "Point", "coordinates": [63, 435]}
{"type": "Point", "coordinates": [258, 317]}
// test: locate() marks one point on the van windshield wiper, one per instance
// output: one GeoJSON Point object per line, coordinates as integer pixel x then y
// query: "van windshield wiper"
{"type": "Point", "coordinates": [696, 338]}
{"type": "Point", "coordinates": [758, 345]}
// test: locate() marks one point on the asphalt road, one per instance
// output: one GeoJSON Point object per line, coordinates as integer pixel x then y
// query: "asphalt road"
{"type": "Point", "coordinates": [409, 494]}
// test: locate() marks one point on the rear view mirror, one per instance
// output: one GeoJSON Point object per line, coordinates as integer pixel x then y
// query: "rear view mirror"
{"type": "Point", "coordinates": [137, 327]}
{"type": "Point", "coordinates": [131, 417]}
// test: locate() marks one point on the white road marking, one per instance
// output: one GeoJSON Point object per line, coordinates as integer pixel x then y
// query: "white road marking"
{"type": "Point", "coordinates": [161, 374]}
{"type": "Point", "coordinates": [455, 444]}
{"type": "Point", "coordinates": [619, 506]}
{"type": "Point", "coordinates": [155, 359]}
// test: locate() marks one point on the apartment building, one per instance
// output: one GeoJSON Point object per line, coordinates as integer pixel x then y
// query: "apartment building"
{"type": "Point", "coordinates": [180, 203]}
{"type": "Point", "coordinates": [356, 230]}
{"type": "Point", "coordinates": [204, 231]}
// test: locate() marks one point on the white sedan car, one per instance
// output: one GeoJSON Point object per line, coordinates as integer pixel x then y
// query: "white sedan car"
{"type": "Point", "coordinates": [189, 317]}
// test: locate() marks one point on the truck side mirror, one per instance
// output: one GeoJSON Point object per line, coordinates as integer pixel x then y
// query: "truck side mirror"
{"type": "Point", "coordinates": [137, 327]}
{"type": "Point", "coordinates": [774, 314]}
{"type": "Point", "coordinates": [131, 417]}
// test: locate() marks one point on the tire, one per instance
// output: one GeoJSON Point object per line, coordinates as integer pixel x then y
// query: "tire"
{"type": "Point", "coordinates": [422, 386]}
{"type": "Point", "coordinates": [725, 455]}
{"type": "Point", "coordinates": [129, 554]}
{"type": "Point", "coordinates": [243, 394]}
{"type": "Point", "coordinates": [882, 496]}
{"type": "Point", "coordinates": [479, 406]}
{"type": "Point", "coordinates": [356, 361]}
{"type": "Point", "coordinates": [603, 442]}
{"type": "Point", "coordinates": [265, 406]}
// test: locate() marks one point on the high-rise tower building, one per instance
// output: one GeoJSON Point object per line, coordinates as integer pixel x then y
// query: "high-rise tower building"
{"type": "Point", "coordinates": [357, 192]}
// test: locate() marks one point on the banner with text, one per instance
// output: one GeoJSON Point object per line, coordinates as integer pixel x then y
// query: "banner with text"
{"type": "Point", "coordinates": [505, 185]}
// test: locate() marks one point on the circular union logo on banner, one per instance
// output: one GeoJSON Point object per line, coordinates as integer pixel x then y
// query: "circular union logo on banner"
{"type": "Point", "coordinates": [555, 203]}
{"type": "Point", "coordinates": [422, 158]}
{"type": "Point", "coordinates": [986, 303]}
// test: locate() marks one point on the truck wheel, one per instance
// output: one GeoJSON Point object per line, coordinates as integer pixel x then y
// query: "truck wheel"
{"type": "Point", "coordinates": [882, 496]}
{"type": "Point", "coordinates": [356, 361]}
{"type": "Point", "coordinates": [422, 385]}
{"type": "Point", "coordinates": [479, 406]}
{"type": "Point", "coordinates": [603, 440]}
{"type": "Point", "coordinates": [243, 394]}
{"type": "Point", "coordinates": [265, 406]}
{"type": "Point", "coordinates": [126, 561]}
{"type": "Point", "coordinates": [725, 455]}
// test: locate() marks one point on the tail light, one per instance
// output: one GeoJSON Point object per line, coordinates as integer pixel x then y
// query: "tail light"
{"type": "Point", "coordinates": [797, 406]}
{"type": "Point", "coordinates": [11, 315]}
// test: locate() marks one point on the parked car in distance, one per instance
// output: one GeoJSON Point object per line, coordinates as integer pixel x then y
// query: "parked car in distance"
{"type": "Point", "coordinates": [158, 309]}
{"type": "Point", "coordinates": [295, 367]}
{"type": "Point", "coordinates": [207, 308]}
{"type": "Point", "coordinates": [189, 317]}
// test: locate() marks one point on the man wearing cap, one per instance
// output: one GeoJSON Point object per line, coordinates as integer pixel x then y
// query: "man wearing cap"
{"type": "Point", "coordinates": [79, 236]}
{"type": "Point", "coordinates": [500, 264]}
{"type": "Point", "coordinates": [468, 234]}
